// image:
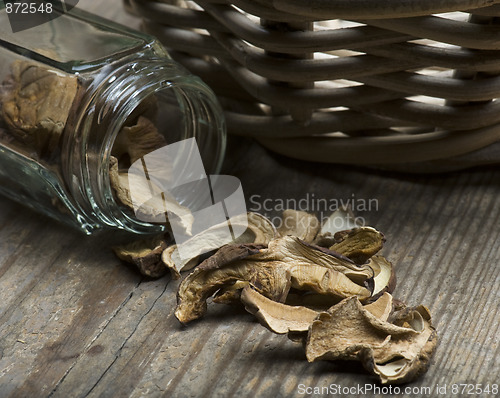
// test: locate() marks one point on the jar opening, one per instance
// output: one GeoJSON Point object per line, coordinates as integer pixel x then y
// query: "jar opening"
{"type": "Point", "coordinates": [146, 128]}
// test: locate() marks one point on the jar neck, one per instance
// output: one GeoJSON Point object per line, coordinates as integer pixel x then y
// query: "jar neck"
{"type": "Point", "coordinates": [112, 97]}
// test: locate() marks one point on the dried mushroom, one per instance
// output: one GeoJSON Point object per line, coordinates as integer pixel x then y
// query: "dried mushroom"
{"type": "Point", "coordinates": [152, 200]}
{"type": "Point", "coordinates": [259, 230]}
{"type": "Point", "coordinates": [139, 140]}
{"type": "Point", "coordinates": [286, 262]}
{"type": "Point", "coordinates": [36, 105]}
{"type": "Point", "coordinates": [317, 269]}
{"type": "Point", "coordinates": [119, 183]}
{"type": "Point", "coordinates": [166, 258]}
{"type": "Point", "coordinates": [291, 248]}
{"type": "Point", "coordinates": [358, 244]}
{"type": "Point", "coordinates": [279, 318]}
{"type": "Point", "coordinates": [342, 219]}
{"type": "Point", "coordinates": [384, 276]}
{"type": "Point", "coordinates": [145, 254]}
{"type": "Point", "coordinates": [382, 307]}
{"type": "Point", "coordinates": [404, 358]}
{"type": "Point", "coordinates": [315, 301]}
{"type": "Point", "coordinates": [176, 264]}
{"type": "Point", "coordinates": [274, 282]}
{"type": "Point", "coordinates": [326, 281]}
{"type": "Point", "coordinates": [230, 294]}
{"type": "Point", "coordinates": [224, 267]}
{"type": "Point", "coordinates": [300, 224]}
{"type": "Point", "coordinates": [344, 329]}
{"type": "Point", "coordinates": [395, 351]}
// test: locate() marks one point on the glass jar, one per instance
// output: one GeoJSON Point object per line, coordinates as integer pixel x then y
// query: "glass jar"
{"type": "Point", "coordinates": [68, 89]}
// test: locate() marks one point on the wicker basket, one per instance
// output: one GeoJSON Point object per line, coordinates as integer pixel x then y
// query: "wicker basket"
{"type": "Point", "coordinates": [347, 81]}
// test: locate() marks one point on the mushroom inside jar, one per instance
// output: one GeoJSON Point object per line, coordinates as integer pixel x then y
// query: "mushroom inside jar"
{"type": "Point", "coordinates": [35, 104]}
{"type": "Point", "coordinates": [143, 163]}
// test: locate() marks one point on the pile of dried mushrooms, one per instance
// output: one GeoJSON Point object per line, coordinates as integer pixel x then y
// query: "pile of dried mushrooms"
{"type": "Point", "coordinates": [325, 287]}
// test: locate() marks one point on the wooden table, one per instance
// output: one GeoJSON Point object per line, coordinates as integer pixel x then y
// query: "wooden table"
{"type": "Point", "coordinates": [76, 322]}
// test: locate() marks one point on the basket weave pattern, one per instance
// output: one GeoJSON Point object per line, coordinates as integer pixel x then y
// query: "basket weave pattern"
{"type": "Point", "coordinates": [344, 81]}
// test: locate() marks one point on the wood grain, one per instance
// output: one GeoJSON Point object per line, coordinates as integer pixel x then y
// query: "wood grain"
{"type": "Point", "coordinates": [75, 322]}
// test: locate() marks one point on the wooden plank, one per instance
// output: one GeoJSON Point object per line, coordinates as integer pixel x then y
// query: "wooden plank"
{"type": "Point", "coordinates": [54, 303]}
{"type": "Point", "coordinates": [137, 326]}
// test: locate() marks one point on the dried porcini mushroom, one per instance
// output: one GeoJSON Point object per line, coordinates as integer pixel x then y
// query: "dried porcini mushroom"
{"type": "Point", "coordinates": [274, 283]}
{"type": "Point", "coordinates": [404, 359]}
{"type": "Point", "coordinates": [291, 248]}
{"type": "Point", "coordinates": [119, 183]}
{"type": "Point", "coordinates": [315, 301]}
{"type": "Point", "coordinates": [342, 331]}
{"type": "Point", "coordinates": [286, 262]}
{"type": "Point", "coordinates": [230, 294]}
{"type": "Point", "coordinates": [342, 219]}
{"type": "Point", "coordinates": [175, 264]}
{"type": "Point", "coordinates": [277, 317]}
{"type": "Point", "coordinates": [394, 353]}
{"type": "Point", "coordinates": [300, 224]}
{"type": "Point", "coordinates": [145, 255]}
{"type": "Point", "coordinates": [317, 269]}
{"type": "Point", "coordinates": [384, 278]}
{"type": "Point", "coordinates": [154, 203]}
{"type": "Point", "coordinates": [166, 258]}
{"type": "Point", "coordinates": [358, 244]}
{"type": "Point", "coordinates": [326, 281]}
{"type": "Point", "coordinates": [139, 140]}
{"type": "Point", "coordinates": [36, 105]}
{"type": "Point", "coordinates": [223, 268]}
{"type": "Point", "coordinates": [382, 307]}
{"type": "Point", "coordinates": [259, 230]}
